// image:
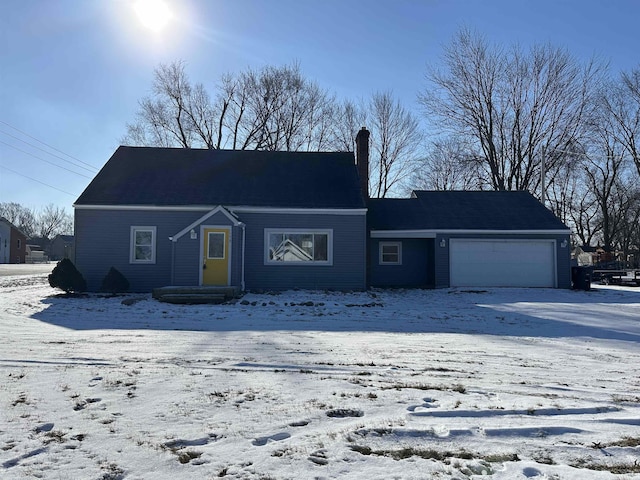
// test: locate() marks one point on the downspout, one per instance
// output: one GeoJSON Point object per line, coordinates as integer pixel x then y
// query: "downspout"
{"type": "Point", "coordinates": [242, 225]}
{"type": "Point", "coordinates": [173, 254]}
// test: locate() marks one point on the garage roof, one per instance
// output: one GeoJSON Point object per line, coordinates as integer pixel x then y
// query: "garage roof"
{"type": "Point", "coordinates": [462, 210]}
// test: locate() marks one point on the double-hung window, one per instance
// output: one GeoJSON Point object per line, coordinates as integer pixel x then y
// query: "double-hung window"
{"type": "Point", "coordinates": [298, 247]}
{"type": "Point", "coordinates": [390, 253]}
{"type": "Point", "coordinates": [143, 245]}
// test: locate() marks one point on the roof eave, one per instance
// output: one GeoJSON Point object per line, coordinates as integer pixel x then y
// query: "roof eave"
{"type": "Point", "coordinates": [432, 233]}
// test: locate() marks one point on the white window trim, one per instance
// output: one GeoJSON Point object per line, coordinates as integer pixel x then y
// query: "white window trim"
{"type": "Point", "coordinates": [303, 231]}
{"type": "Point", "coordinates": [381, 245]}
{"type": "Point", "coordinates": [132, 246]}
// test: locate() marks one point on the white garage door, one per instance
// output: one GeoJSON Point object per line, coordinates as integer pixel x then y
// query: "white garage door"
{"type": "Point", "coordinates": [502, 263]}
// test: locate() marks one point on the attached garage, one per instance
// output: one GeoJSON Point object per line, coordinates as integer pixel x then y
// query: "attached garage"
{"type": "Point", "coordinates": [468, 239]}
{"type": "Point", "coordinates": [502, 263]}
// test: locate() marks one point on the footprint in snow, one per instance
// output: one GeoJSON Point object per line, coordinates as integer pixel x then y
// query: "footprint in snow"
{"type": "Point", "coordinates": [299, 423]}
{"type": "Point", "coordinates": [81, 404]}
{"type": "Point", "coordinates": [260, 441]}
{"type": "Point", "coordinates": [428, 403]}
{"type": "Point", "coordinates": [94, 381]}
{"type": "Point", "coordinates": [530, 472]}
{"type": "Point", "coordinates": [197, 442]}
{"type": "Point", "coordinates": [319, 457]}
{"type": "Point", "coordinates": [45, 427]}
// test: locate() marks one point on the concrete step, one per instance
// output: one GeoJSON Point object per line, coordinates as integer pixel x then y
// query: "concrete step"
{"type": "Point", "coordinates": [192, 298]}
{"type": "Point", "coordinates": [228, 291]}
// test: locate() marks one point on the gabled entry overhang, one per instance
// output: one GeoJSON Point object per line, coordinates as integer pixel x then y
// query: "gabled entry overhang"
{"type": "Point", "coordinates": [232, 218]}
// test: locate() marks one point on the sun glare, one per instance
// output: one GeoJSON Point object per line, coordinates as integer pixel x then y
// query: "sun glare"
{"type": "Point", "coordinates": [153, 14]}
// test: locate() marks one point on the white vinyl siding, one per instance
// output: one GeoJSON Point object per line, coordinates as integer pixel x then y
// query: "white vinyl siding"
{"type": "Point", "coordinates": [143, 245]}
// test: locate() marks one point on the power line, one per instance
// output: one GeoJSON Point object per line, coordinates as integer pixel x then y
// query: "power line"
{"type": "Point", "coordinates": [35, 180]}
{"type": "Point", "coordinates": [93, 170]}
{"type": "Point", "coordinates": [46, 161]}
{"type": "Point", "coordinates": [53, 148]}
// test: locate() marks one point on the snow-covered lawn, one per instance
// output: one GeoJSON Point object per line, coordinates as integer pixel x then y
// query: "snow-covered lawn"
{"type": "Point", "coordinates": [512, 383]}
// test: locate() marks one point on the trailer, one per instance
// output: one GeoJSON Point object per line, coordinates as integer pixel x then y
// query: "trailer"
{"type": "Point", "coordinates": [617, 277]}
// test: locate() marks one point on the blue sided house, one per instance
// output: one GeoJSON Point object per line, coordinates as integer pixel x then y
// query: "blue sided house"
{"type": "Point", "coordinates": [258, 220]}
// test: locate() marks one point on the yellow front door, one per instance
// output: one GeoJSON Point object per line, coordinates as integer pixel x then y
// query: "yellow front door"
{"type": "Point", "coordinates": [217, 246]}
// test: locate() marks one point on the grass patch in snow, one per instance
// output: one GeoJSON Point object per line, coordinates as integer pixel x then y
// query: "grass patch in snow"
{"type": "Point", "coordinates": [423, 386]}
{"type": "Point", "coordinates": [625, 399]}
{"type": "Point", "coordinates": [111, 472]}
{"type": "Point", "coordinates": [432, 454]}
{"type": "Point", "coordinates": [55, 436]}
{"type": "Point", "coordinates": [188, 455]}
{"type": "Point", "coordinates": [616, 468]}
{"type": "Point", "coordinates": [344, 412]}
{"type": "Point", "coordinates": [626, 442]}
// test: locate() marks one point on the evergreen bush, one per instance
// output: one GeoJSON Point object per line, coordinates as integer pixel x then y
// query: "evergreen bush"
{"type": "Point", "coordinates": [66, 276]}
{"type": "Point", "coordinates": [114, 282]}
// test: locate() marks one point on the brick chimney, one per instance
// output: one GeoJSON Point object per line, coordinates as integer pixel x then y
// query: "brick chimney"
{"type": "Point", "coordinates": [362, 160]}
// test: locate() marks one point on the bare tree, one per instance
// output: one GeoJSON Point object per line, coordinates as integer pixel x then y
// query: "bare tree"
{"type": "Point", "coordinates": [608, 167]}
{"type": "Point", "coordinates": [348, 118]}
{"type": "Point", "coordinates": [511, 105]}
{"type": "Point", "coordinates": [163, 120]}
{"type": "Point", "coordinates": [53, 220]}
{"type": "Point", "coordinates": [583, 214]}
{"type": "Point", "coordinates": [275, 108]}
{"type": "Point", "coordinates": [22, 217]}
{"type": "Point", "coordinates": [396, 139]}
{"type": "Point", "coordinates": [619, 105]}
{"type": "Point", "coordinates": [627, 235]}
{"type": "Point", "coordinates": [447, 165]}
{"type": "Point", "coordinates": [603, 171]}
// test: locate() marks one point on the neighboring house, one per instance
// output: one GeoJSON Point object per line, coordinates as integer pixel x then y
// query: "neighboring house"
{"type": "Point", "coordinates": [62, 246]}
{"type": "Point", "coordinates": [35, 254]}
{"type": "Point", "coordinates": [13, 243]}
{"type": "Point", "coordinates": [39, 244]}
{"type": "Point", "coordinates": [586, 255]}
{"type": "Point", "coordinates": [280, 220]}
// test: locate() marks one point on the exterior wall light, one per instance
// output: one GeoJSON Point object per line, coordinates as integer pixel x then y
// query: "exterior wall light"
{"type": "Point", "coordinates": [193, 234]}
{"type": "Point", "coordinates": [443, 243]}
{"type": "Point", "coordinates": [564, 243]}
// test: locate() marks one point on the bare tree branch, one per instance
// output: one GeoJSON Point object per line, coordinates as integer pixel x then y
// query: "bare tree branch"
{"type": "Point", "coordinates": [510, 104]}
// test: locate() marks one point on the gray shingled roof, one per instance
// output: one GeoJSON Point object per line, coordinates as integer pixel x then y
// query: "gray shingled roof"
{"type": "Point", "coordinates": [176, 177]}
{"type": "Point", "coordinates": [462, 210]}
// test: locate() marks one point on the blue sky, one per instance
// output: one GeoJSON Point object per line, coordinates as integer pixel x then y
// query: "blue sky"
{"type": "Point", "coordinates": [72, 71]}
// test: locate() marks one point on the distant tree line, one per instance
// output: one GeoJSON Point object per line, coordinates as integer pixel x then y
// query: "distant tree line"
{"type": "Point", "coordinates": [45, 223]}
{"type": "Point", "coordinates": [499, 118]}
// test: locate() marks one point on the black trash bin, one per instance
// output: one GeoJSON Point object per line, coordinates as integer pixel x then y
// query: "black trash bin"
{"type": "Point", "coordinates": [581, 278]}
